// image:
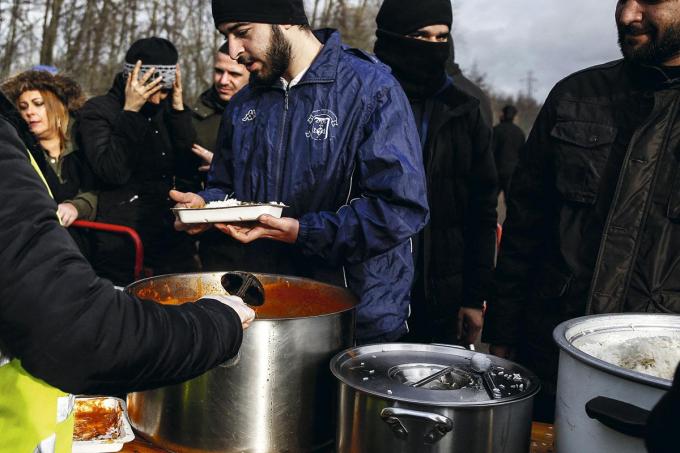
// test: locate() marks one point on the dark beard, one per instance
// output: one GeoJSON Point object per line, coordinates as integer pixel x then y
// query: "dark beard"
{"type": "Point", "coordinates": [277, 60]}
{"type": "Point", "coordinates": [661, 47]}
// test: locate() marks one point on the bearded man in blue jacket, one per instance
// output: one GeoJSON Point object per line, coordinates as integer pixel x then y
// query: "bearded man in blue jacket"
{"type": "Point", "coordinates": [328, 131]}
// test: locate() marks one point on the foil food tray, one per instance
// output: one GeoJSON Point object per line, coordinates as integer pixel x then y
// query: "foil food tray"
{"type": "Point", "coordinates": [101, 425]}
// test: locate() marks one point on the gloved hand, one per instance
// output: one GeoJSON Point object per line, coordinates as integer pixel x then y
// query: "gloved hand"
{"type": "Point", "coordinates": [243, 311]}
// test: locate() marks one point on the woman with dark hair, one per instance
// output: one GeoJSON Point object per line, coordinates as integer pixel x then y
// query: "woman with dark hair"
{"type": "Point", "coordinates": [48, 103]}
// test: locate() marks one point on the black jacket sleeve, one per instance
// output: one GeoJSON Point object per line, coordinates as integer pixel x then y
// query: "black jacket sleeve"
{"type": "Point", "coordinates": [74, 330]}
{"type": "Point", "coordinates": [529, 201]}
{"type": "Point", "coordinates": [481, 218]}
{"type": "Point", "coordinates": [110, 137]}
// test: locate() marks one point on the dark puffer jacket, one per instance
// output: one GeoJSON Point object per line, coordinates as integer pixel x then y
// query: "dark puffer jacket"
{"type": "Point", "coordinates": [138, 156]}
{"type": "Point", "coordinates": [593, 210]}
{"type": "Point", "coordinates": [458, 245]}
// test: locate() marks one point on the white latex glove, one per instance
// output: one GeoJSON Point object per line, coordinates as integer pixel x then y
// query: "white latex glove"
{"type": "Point", "coordinates": [243, 311]}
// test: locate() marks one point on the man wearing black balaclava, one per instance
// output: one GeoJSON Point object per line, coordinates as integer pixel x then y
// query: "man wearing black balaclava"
{"type": "Point", "coordinates": [137, 138]}
{"type": "Point", "coordinates": [455, 253]}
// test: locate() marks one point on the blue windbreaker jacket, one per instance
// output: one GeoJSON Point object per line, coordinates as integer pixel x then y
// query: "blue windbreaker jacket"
{"type": "Point", "coordinates": [342, 150]}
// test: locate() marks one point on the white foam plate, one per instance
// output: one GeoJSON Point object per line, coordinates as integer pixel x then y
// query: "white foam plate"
{"type": "Point", "coordinates": [228, 214]}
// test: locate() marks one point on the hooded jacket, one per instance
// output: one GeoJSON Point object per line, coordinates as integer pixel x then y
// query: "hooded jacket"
{"type": "Point", "coordinates": [341, 150]}
{"type": "Point", "coordinates": [593, 210]}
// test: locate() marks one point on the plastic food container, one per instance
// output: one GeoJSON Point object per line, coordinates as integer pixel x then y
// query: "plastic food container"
{"type": "Point", "coordinates": [227, 214]}
{"type": "Point", "coordinates": [101, 425]}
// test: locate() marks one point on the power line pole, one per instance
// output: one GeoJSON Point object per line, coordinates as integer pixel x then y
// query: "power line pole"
{"type": "Point", "coordinates": [530, 80]}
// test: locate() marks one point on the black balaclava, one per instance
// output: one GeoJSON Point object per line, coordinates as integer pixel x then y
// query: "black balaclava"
{"type": "Point", "coordinates": [418, 65]}
{"type": "Point", "coordinates": [259, 11]}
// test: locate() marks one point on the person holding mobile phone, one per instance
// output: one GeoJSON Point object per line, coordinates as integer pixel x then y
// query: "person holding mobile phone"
{"type": "Point", "coordinates": [135, 138]}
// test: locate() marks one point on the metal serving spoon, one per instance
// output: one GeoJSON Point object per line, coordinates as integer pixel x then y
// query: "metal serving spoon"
{"type": "Point", "coordinates": [244, 285]}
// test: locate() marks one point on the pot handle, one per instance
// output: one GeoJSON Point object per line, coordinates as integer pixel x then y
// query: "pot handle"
{"type": "Point", "coordinates": [442, 425]}
{"type": "Point", "coordinates": [619, 416]}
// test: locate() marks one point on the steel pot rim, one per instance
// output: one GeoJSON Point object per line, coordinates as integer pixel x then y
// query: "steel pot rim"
{"type": "Point", "coordinates": [128, 289]}
{"type": "Point", "coordinates": [565, 345]}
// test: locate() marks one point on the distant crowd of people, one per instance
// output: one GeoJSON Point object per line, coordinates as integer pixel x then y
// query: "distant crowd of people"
{"type": "Point", "coordinates": [390, 170]}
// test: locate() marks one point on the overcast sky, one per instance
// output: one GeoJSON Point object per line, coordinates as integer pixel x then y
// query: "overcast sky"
{"type": "Point", "coordinates": [553, 38]}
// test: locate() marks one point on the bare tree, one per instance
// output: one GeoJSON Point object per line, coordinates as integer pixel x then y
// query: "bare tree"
{"type": "Point", "coordinates": [11, 46]}
{"type": "Point", "coordinates": [49, 35]}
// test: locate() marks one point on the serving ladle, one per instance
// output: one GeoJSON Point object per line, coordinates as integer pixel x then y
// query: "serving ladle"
{"type": "Point", "coordinates": [244, 285]}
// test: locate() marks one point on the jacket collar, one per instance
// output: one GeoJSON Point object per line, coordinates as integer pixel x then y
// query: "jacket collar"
{"type": "Point", "coordinates": [207, 105]}
{"type": "Point", "coordinates": [453, 103]}
{"type": "Point", "coordinates": [456, 102]}
{"type": "Point", "coordinates": [650, 77]}
{"type": "Point", "coordinates": [324, 68]}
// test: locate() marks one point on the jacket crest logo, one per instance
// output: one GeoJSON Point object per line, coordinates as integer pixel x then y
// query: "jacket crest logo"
{"type": "Point", "coordinates": [320, 123]}
{"type": "Point", "coordinates": [250, 116]}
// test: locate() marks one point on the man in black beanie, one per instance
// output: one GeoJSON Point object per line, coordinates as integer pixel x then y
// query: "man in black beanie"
{"type": "Point", "coordinates": [138, 138]}
{"type": "Point", "coordinates": [455, 252]}
{"type": "Point", "coordinates": [326, 130]}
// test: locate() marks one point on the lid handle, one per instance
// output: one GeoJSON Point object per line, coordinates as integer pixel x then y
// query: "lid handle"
{"type": "Point", "coordinates": [440, 425]}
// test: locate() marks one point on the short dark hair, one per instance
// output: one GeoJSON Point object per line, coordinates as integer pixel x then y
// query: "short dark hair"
{"type": "Point", "coordinates": [509, 112]}
{"type": "Point", "coordinates": [224, 48]}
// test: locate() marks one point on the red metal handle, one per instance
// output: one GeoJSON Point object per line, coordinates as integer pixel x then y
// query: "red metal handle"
{"type": "Point", "coordinates": [112, 228]}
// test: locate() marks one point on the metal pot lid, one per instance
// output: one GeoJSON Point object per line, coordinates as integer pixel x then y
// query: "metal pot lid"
{"type": "Point", "coordinates": [639, 347]}
{"type": "Point", "coordinates": [390, 370]}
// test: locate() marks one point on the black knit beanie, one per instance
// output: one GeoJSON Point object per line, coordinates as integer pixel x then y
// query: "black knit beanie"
{"type": "Point", "coordinates": [406, 16]}
{"type": "Point", "coordinates": [154, 52]}
{"type": "Point", "coordinates": [259, 11]}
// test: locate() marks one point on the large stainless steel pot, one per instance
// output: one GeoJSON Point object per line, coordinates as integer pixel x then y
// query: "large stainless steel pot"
{"type": "Point", "coordinates": [601, 406]}
{"type": "Point", "coordinates": [380, 412]}
{"type": "Point", "coordinates": [277, 395]}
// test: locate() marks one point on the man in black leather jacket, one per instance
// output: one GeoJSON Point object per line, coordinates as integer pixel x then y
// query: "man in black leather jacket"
{"type": "Point", "coordinates": [594, 205]}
